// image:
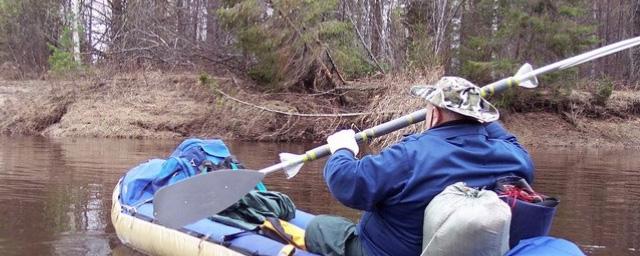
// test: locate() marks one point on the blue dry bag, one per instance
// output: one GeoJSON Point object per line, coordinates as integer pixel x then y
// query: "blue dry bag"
{"type": "Point", "coordinates": [191, 157]}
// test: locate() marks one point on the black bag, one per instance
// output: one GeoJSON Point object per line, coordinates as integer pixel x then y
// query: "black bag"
{"type": "Point", "coordinates": [531, 212]}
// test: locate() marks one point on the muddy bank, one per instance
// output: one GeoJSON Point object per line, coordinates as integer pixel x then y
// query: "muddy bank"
{"type": "Point", "coordinates": [157, 105]}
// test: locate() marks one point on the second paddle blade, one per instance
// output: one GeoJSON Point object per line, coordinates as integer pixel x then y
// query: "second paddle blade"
{"type": "Point", "coordinates": [201, 196]}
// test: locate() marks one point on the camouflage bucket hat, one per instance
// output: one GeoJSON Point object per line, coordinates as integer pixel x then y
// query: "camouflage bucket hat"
{"type": "Point", "coordinates": [458, 95]}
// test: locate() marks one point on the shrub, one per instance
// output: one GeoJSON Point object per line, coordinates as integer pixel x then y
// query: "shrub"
{"type": "Point", "coordinates": [286, 43]}
{"type": "Point", "coordinates": [603, 91]}
{"type": "Point", "coordinates": [61, 58]}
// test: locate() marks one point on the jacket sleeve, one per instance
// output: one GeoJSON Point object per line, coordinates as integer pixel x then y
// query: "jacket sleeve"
{"type": "Point", "coordinates": [361, 184]}
{"type": "Point", "coordinates": [497, 131]}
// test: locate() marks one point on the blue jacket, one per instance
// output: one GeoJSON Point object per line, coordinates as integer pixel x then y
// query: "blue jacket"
{"type": "Point", "coordinates": [395, 186]}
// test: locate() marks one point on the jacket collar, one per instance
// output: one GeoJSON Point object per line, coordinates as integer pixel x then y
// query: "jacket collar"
{"type": "Point", "coordinates": [457, 128]}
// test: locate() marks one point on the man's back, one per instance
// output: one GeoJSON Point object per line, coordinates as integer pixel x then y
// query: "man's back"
{"type": "Point", "coordinates": [395, 186]}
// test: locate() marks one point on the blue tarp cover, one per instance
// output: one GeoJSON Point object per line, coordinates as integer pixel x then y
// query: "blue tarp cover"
{"type": "Point", "coordinates": [545, 245]}
{"type": "Point", "coordinates": [140, 183]}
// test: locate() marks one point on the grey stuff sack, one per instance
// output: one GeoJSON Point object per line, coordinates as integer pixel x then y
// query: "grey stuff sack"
{"type": "Point", "coordinates": [466, 221]}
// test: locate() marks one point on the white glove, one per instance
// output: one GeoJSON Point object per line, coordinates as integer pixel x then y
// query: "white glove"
{"type": "Point", "coordinates": [343, 139]}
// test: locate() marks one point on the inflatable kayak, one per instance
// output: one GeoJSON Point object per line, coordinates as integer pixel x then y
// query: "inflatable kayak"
{"type": "Point", "coordinates": [133, 219]}
{"type": "Point", "coordinates": [135, 227]}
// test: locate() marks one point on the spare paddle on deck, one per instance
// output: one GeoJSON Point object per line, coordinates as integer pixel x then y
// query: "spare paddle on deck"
{"type": "Point", "coordinates": [203, 195]}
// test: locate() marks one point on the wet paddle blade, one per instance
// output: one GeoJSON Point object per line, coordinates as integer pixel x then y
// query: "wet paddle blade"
{"type": "Point", "coordinates": [291, 170]}
{"type": "Point", "coordinates": [201, 196]}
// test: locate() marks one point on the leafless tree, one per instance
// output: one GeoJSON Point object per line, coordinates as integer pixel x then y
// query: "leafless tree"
{"type": "Point", "coordinates": [392, 34]}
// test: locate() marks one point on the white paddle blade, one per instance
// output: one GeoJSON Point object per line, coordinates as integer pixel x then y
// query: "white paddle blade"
{"type": "Point", "coordinates": [201, 196]}
{"type": "Point", "coordinates": [292, 170]}
{"type": "Point", "coordinates": [529, 83]}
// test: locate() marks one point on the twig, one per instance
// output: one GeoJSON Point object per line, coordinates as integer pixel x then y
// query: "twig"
{"type": "Point", "coordinates": [333, 64]}
{"type": "Point", "coordinates": [144, 75]}
{"type": "Point", "coordinates": [362, 88]}
{"type": "Point", "coordinates": [298, 114]}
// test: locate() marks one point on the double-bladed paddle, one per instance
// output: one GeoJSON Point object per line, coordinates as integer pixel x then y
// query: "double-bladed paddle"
{"type": "Point", "coordinates": [203, 195]}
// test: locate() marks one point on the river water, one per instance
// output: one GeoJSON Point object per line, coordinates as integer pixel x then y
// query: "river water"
{"type": "Point", "coordinates": [56, 193]}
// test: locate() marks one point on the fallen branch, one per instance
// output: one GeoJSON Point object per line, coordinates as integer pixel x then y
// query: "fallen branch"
{"type": "Point", "coordinates": [299, 114]}
{"type": "Point", "coordinates": [333, 64]}
{"type": "Point", "coordinates": [362, 88]}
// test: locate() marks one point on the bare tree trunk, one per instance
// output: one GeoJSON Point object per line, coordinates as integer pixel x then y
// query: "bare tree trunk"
{"type": "Point", "coordinates": [75, 31]}
{"type": "Point", "coordinates": [212, 22]}
{"type": "Point", "coordinates": [349, 15]}
{"type": "Point", "coordinates": [387, 30]}
{"type": "Point", "coordinates": [594, 15]}
{"type": "Point", "coordinates": [89, 32]}
{"type": "Point", "coordinates": [439, 7]}
{"type": "Point", "coordinates": [607, 34]}
{"type": "Point", "coordinates": [180, 17]}
{"type": "Point", "coordinates": [626, 31]}
{"type": "Point", "coordinates": [494, 33]}
{"type": "Point", "coordinates": [456, 25]}
{"type": "Point", "coordinates": [117, 11]}
{"type": "Point", "coordinates": [375, 22]}
{"type": "Point", "coordinates": [635, 60]}
{"type": "Point", "coordinates": [444, 13]}
{"type": "Point", "coordinates": [197, 16]}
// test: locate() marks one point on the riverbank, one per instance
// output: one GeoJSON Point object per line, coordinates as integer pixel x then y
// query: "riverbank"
{"type": "Point", "coordinates": [157, 105]}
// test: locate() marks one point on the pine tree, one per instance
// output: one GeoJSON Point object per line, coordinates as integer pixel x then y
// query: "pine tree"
{"type": "Point", "coordinates": [295, 44]}
{"type": "Point", "coordinates": [538, 32]}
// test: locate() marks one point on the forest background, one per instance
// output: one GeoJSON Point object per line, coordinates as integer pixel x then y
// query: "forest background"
{"type": "Point", "coordinates": [289, 70]}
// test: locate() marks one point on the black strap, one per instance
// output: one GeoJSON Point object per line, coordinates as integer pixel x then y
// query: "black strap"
{"type": "Point", "coordinates": [275, 222]}
{"type": "Point", "coordinates": [230, 237]}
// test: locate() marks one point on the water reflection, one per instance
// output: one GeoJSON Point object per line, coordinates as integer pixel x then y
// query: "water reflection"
{"type": "Point", "coordinates": [600, 191]}
{"type": "Point", "coordinates": [56, 194]}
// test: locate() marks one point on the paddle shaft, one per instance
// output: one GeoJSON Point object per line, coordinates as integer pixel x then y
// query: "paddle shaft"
{"type": "Point", "coordinates": [203, 195]}
{"type": "Point", "coordinates": [508, 82]}
{"type": "Point", "coordinates": [486, 91]}
{"type": "Point", "coordinates": [376, 131]}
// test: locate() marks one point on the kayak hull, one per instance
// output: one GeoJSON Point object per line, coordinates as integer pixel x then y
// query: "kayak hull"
{"type": "Point", "coordinates": [135, 227]}
{"type": "Point", "coordinates": [154, 239]}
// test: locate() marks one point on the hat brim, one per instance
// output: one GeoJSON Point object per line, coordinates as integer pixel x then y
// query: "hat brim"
{"type": "Point", "coordinates": [434, 95]}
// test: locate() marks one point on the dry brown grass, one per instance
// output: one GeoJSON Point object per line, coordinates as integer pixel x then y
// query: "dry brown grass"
{"type": "Point", "coordinates": [245, 122]}
{"type": "Point", "coordinates": [158, 105]}
{"type": "Point", "coordinates": [582, 124]}
{"type": "Point", "coordinates": [397, 99]}
{"type": "Point", "coordinates": [32, 107]}
{"type": "Point", "coordinates": [129, 106]}
{"type": "Point", "coordinates": [627, 102]}
{"type": "Point", "coordinates": [546, 129]}
{"type": "Point", "coordinates": [9, 71]}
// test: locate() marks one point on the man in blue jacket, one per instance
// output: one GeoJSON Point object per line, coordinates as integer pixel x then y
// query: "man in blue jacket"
{"type": "Point", "coordinates": [462, 143]}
